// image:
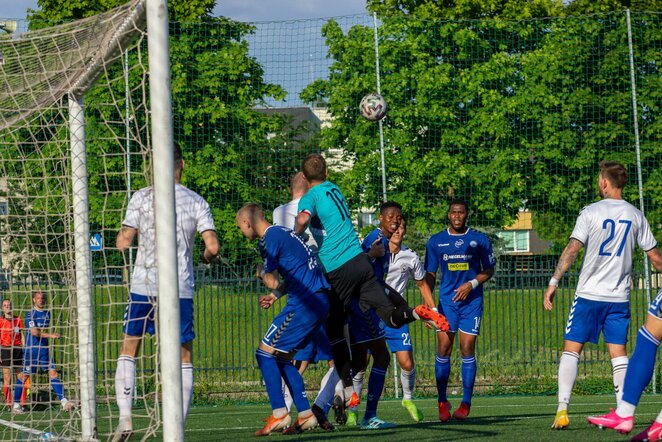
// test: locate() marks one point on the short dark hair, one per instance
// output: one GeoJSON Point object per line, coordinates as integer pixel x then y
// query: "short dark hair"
{"type": "Point", "coordinates": [314, 167]}
{"type": "Point", "coordinates": [459, 201]}
{"type": "Point", "coordinates": [403, 222]}
{"type": "Point", "coordinates": [177, 150]}
{"type": "Point", "coordinates": [388, 205]}
{"type": "Point", "coordinates": [614, 172]}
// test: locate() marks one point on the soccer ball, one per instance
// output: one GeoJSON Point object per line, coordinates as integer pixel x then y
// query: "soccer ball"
{"type": "Point", "coordinates": [373, 107]}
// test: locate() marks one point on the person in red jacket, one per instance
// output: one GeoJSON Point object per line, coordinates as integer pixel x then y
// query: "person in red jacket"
{"type": "Point", "coordinates": [11, 347]}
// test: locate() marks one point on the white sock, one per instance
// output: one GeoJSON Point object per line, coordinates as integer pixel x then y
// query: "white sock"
{"type": "Point", "coordinates": [187, 387]}
{"type": "Point", "coordinates": [357, 381]}
{"type": "Point", "coordinates": [625, 409]}
{"type": "Point", "coordinates": [287, 396]}
{"type": "Point", "coordinates": [408, 380]}
{"type": "Point", "coordinates": [568, 366]}
{"type": "Point", "coordinates": [125, 380]}
{"type": "Point", "coordinates": [619, 366]}
{"type": "Point", "coordinates": [328, 388]}
{"type": "Point", "coordinates": [658, 419]}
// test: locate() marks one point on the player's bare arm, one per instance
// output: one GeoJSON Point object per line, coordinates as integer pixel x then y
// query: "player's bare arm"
{"type": "Point", "coordinates": [568, 256]}
{"type": "Point", "coordinates": [212, 247]}
{"type": "Point", "coordinates": [125, 237]}
{"type": "Point", "coordinates": [656, 258]}
{"type": "Point", "coordinates": [463, 291]}
{"type": "Point", "coordinates": [426, 293]}
{"type": "Point", "coordinates": [302, 221]}
{"type": "Point", "coordinates": [39, 333]}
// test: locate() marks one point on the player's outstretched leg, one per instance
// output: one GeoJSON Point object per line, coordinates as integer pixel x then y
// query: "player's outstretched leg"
{"type": "Point", "coordinates": [425, 313]}
{"type": "Point", "coordinates": [614, 421]}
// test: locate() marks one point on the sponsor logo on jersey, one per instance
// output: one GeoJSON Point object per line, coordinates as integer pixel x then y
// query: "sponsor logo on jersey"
{"type": "Point", "coordinates": [443, 245]}
{"type": "Point", "coordinates": [459, 243]}
{"type": "Point", "coordinates": [446, 257]}
{"type": "Point", "coordinates": [458, 266]}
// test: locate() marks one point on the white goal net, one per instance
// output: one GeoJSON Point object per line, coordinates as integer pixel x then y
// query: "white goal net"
{"type": "Point", "coordinates": [73, 134]}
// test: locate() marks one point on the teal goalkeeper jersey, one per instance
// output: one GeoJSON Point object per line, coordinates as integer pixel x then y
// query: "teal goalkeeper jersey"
{"type": "Point", "coordinates": [330, 225]}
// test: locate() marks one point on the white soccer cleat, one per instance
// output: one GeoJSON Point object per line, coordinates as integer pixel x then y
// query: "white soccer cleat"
{"type": "Point", "coordinates": [124, 430]}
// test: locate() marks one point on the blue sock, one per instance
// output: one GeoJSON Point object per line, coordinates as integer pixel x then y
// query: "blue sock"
{"type": "Point", "coordinates": [442, 371]}
{"type": "Point", "coordinates": [468, 378]}
{"type": "Point", "coordinates": [18, 391]}
{"type": "Point", "coordinates": [57, 388]}
{"type": "Point", "coordinates": [375, 388]}
{"type": "Point", "coordinates": [640, 368]}
{"type": "Point", "coordinates": [294, 382]}
{"type": "Point", "coordinates": [271, 376]}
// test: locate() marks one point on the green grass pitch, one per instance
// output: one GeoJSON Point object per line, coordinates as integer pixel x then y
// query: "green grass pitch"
{"type": "Point", "coordinates": [513, 418]}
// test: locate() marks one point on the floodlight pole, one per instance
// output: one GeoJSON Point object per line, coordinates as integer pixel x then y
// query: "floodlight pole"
{"type": "Point", "coordinates": [381, 126]}
{"type": "Point", "coordinates": [164, 211]}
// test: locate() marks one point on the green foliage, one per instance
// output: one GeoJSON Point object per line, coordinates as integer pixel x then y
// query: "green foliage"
{"type": "Point", "coordinates": [511, 114]}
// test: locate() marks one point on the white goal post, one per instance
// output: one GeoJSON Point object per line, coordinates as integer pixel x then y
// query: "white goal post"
{"type": "Point", "coordinates": [45, 77]}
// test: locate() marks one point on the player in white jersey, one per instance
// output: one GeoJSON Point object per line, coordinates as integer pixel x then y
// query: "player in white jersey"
{"type": "Point", "coordinates": [193, 215]}
{"type": "Point", "coordinates": [609, 229]}
{"type": "Point", "coordinates": [405, 265]}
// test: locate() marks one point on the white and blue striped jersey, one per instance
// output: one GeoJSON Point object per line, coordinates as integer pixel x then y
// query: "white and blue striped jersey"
{"type": "Point", "coordinates": [609, 230]}
{"type": "Point", "coordinates": [404, 265]}
{"type": "Point", "coordinates": [193, 214]}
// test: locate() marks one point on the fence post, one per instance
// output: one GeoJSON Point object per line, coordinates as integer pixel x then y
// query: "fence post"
{"type": "Point", "coordinates": [379, 91]}
{"type": "Point", "coordinates": [633, 88]}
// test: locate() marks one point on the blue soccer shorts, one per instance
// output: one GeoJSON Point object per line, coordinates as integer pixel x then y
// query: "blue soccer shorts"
{"type": "Point", "coordinates": [463, 316]}
{"type": "Point", "coordinates": [139, 317]}
{"type": "Point", "coordinates": [364, 326]}
{"type": "Point", "coordinates": [297, 324]}
{"type": "Point", "coordinates": [398, 339]}
{"type": "Point", "coordinates": [37, 358]}
{"type": "Point", "coordinates": [655, 307]}
{"type": "Point", "coordinates": [587, 319]}
{"type": "Point", "coordinates": [317, 349]}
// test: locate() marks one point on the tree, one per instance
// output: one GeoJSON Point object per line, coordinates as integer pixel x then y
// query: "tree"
{"type": "Point", "coordinates": [511, 114]}
{"type": "Point", "coordinates": [216, 86]}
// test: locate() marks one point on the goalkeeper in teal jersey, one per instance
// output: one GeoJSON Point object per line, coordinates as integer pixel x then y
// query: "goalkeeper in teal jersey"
{"type": "Point", "coordinates": [347, 268]}
{"type": "Point", "coordinates": [465, 260]}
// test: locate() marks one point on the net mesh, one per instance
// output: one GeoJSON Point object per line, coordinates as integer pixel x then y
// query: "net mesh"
{"type": "Point", "coordinates": [512, 115]}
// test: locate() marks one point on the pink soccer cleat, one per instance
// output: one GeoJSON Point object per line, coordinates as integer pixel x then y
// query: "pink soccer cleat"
{"type": "Point", "coordinates": [614, 421]}
{"type": "Point", "coordinates": [650, 434]}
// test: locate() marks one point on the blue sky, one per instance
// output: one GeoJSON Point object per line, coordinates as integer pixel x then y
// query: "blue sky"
{"type": "Point", "coordinates": [292, 52]}
{"type": "Point", "coordinates": [242, 10]}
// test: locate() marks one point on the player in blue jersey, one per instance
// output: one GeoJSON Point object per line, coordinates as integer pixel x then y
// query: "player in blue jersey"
{"type": "Point", "coordinates": [465, 260]}
{"type": "Point", "coordinates": [402, 264]}
{"type": "Point", "coordinates": [307, 308]}
{"type": "Point", "coordinates": [37, 356]}
{"type": "Point", "coordinates": [367, 331]}
{"type": "Point", "coordinates": [347, 268]}
{"type": "Point", "coordinates": [318, 349]}
{"type": "Point", "coordinates": [639, 373]}
{"type": "Point", "coordinates": [609, 229]}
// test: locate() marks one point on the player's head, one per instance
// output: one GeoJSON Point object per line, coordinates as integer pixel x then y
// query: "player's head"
{"type": "Point", "coordinates": [178, 161]}
{"type": "Point", "coordinates": [39, 299]}
{"type": "Point", "coordinates": [298, 185]}
{"type": "Point", "coordinates": [6, 307]}
{"type": "Point", "coordinates": [249, 218]}
{"type": "Point", "coordinates": [314, 167]}
{"type": "Point", "coordinates": [612, 174]}
{"type": "Point", "coordinates": [399, 233]}
{"type": "Point", "coordinates": [458, 211]}
{"type": "Point", "coordinates": [390, 214]}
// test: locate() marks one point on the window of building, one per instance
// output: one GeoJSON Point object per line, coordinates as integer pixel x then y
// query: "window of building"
{"type": "Point", "coordinates": [514, 241]}
{"type": "Point", "coordinates": [368, 219]}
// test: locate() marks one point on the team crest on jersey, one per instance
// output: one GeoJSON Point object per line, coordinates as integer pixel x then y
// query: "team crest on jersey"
{"type": "Point", "coordinates": [473, 244]}
{"type": "Point", "coordinates": [459, 243]}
